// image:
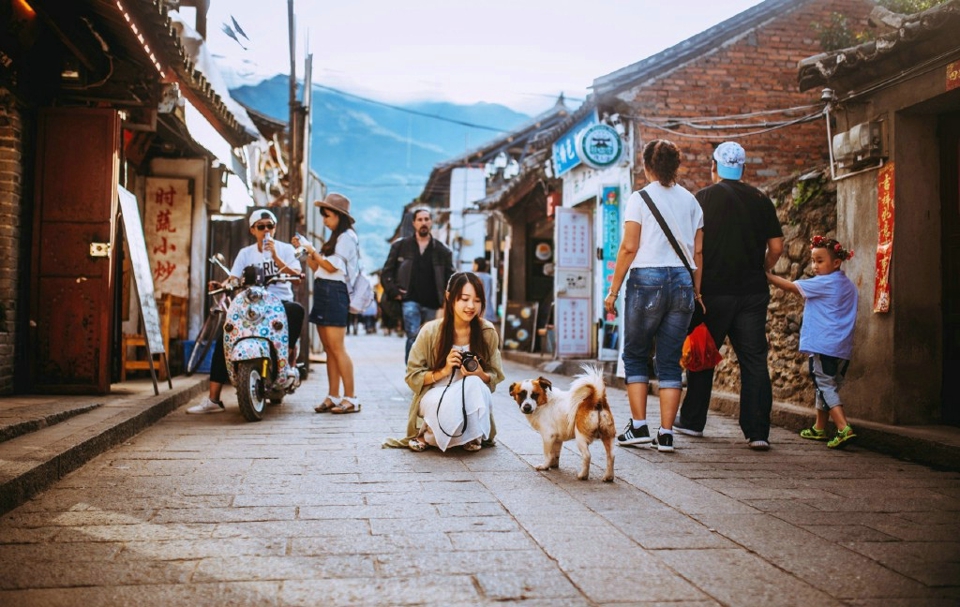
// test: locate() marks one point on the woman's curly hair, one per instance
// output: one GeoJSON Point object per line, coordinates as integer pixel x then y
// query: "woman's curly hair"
{"type": "Point", "coordinates": [662, 158]}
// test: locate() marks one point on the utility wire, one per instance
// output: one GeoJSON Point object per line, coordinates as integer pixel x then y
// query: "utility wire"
{"type": "Point", "coordinates": [801, 120]}
{"type": "Point", "coordinates": [414, 112]}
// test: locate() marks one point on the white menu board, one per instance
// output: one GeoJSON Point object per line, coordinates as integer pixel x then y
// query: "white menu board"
{"type": "Point", "coordinates": [573, 326]}
{"type": "Point", "coordinates": [573, 239]}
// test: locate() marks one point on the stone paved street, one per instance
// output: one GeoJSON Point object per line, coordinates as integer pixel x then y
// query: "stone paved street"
{"type": "Point", "coordinates": [307, 509]}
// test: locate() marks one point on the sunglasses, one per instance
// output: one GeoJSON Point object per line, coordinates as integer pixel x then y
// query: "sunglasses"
{"type": "Point", "coordinates": [265, 226]}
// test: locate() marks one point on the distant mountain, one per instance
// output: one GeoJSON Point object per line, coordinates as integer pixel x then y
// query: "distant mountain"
{"type": "Point", "coordinates": [378, 156]}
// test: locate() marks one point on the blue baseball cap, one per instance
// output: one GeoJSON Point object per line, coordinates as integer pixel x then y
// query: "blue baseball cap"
{"type": "Point", "coordinates": [730, 158]}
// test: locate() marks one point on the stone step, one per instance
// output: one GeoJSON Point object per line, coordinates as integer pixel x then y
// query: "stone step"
{"type": "Point", "coordinates": [17, 421]}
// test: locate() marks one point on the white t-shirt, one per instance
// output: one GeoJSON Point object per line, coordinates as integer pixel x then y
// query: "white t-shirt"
{"type": "Point", "coordinates": [252, 256]}
{"type": "Point", "coordinates": [345, 258]}
{"type": "Point", "coordinates": [682, 213]}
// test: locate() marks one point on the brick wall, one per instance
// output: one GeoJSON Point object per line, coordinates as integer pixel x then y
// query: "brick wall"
{"type": "Point", "coordinates": [757, 71]}
{"type": "Point", "coordinates": [11, 167]}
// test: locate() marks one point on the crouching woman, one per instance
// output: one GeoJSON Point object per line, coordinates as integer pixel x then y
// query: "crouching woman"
{"type": "Point", "coordinates": [453, 369]}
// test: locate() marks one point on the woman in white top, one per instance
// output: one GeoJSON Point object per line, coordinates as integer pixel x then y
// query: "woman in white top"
{"type": "Point", "coordinates": [337, 259]}
{"type": "Point", "coordinates": [660, 293]}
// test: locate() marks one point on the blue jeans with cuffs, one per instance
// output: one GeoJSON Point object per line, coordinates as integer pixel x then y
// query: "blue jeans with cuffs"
{"type": "Point", "coordinates": [659, 304]}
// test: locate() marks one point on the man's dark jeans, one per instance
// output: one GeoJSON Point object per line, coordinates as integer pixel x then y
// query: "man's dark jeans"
{"type": "Point", "coordinates": [742, 318]}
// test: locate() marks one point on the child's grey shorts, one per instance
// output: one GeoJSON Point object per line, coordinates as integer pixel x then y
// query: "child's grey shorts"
{"type": "Point", "coordinates": [827, 373]}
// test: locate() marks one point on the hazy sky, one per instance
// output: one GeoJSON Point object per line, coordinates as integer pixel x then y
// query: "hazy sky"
{"type": "Point", "coordinates": [521, 53]}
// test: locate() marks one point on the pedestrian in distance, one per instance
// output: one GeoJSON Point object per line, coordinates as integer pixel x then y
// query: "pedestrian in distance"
{"type": "Point", "coordinates": [826, 335]}
{"type": "Point", "coordinates": [275, 258]}
{"type": "Point", "coordinates": [453, 369]}
{"type": "Point", "coordinates": [416, 273]}
{"type": "Point", "coordinates": [332, 264]}
{"type": "Point", "coordinates": [481, 267]}
{"type": "Point", "coordinates": [661, 292]}
{"type": "Point", "coordinates": [742, 239]}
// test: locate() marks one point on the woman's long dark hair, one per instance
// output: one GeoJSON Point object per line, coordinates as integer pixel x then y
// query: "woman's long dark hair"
{"type": "Point", "coordinates": [345, 223]}
{"type": "Point", "coordinates": [445, 343]}
{"type": "Point", "coordinates": [662, 158]}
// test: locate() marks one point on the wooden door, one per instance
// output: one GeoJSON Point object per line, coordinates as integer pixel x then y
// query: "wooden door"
{"type": "Point", "coordinates": [71, 305]}
{"type": "Point", "coordinates": [950, 247]}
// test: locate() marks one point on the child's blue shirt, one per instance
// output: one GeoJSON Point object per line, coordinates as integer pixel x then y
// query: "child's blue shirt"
{"type": "Point", "coordinates": [829, 314]}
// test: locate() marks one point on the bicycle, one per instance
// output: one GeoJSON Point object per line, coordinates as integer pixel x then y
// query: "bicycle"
{"type": "Point", "coordinates": [210, 330]}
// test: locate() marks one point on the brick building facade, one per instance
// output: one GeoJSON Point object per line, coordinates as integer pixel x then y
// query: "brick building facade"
{"type": "Point", "coordinates": [742, 66]}
{"type": "Point", "coordinates": [11, 194]}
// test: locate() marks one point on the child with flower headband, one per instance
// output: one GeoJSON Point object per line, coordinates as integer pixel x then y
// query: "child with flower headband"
{"type": "Point", "coordinates": [826, 335]}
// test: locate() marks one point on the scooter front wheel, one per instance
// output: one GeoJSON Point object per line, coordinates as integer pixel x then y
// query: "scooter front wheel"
{"type": "Point", "coordinates": [250, 390]}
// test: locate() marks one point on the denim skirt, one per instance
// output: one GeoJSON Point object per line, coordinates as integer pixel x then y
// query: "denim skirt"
{"type": "Point", "coordinates": [330, 303]}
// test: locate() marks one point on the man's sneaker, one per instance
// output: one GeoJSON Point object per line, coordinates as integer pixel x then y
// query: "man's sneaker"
{"type": "Point", "coordinates": [678, 428]}
{"type": "Point", "coordinates": [759, 445]}
{"type": "Point", "coordinates": [665, 442]}
{"type": "Point", "coordinates": [814, 433]}
{"type": "Point", "coordinates": [206, 406]}
{"type": "Point", "coordinates": [634, 436]}
{"type": "Point", "coordinates": [842, 438]}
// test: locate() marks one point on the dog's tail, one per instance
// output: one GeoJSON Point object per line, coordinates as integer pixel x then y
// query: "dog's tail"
{"type": "Point", "coordinates": [589, 391]}
{"type": "Point", "coordinates": [589, 385]}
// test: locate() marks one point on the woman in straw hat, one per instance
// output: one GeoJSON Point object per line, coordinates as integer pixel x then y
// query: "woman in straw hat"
{"type": "Point", "coordinates": [338, 258]}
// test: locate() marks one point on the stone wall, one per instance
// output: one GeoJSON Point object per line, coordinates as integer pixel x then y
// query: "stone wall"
{"type": "Point", "coordinates": [806, 207]}
{"type": "Point", "coordinates": [11, 192]}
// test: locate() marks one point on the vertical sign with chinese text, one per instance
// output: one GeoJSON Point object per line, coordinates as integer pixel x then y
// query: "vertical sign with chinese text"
{"type": "Point", "coordinates": [166, 226]}
{"type": "Point", "coordinates": [610, 201]}
{"type": "Point", "coordinates": [573, 326]}
{"type": "Point", "coordinates": [885, 224]}
{"type": "Point", "coordinates": [573, 282]}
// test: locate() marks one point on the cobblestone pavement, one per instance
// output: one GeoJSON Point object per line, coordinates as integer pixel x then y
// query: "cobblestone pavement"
{"type": "Point", "coordinates": [307, 509]}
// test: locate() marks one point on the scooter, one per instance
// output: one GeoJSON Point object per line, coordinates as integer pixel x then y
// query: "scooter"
{"type": "Point", "coordinates": [255, 341]}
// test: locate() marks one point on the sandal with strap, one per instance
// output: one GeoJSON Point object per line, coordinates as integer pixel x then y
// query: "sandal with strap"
{"type": "Point", "coordinates": [416, 444]}
{"type": "Point", "coordinates": [347, 405]}
{"type": "Point", "coordinates": [473, 445]}
{"type": "Point", "coordinates": [814, 433]}
{"type": "Point", "coordinates": [328, 403]}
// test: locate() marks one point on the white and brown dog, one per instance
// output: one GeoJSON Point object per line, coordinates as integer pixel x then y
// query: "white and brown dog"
{"type": "Point", "coordinates": [581, 412]}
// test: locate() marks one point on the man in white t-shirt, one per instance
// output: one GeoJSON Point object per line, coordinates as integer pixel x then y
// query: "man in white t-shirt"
{"type": "Point", "coordinates": [274, 258]}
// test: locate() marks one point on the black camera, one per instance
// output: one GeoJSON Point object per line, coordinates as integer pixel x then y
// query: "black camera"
{"type": "Point", "coordinates": [469, 361]}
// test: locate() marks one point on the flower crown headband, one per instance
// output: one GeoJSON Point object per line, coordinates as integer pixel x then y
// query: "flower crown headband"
{"type": "Point", "coordinates": [819, 242]}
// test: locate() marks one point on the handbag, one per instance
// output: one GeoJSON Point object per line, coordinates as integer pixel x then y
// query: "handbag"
{"type": "Point", "coordinates": [699, 350]}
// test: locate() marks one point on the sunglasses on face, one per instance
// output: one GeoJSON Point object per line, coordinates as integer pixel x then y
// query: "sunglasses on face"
{"type": "Point", "coordinates": [265, 226]}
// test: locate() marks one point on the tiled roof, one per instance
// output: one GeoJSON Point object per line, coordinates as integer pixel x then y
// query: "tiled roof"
{"type": "Point", "coordinates": [914, 31]}
{"type": "Point", "coordinates": [155, 21]}
{"type": "Point", "coordinates": [693, 47]}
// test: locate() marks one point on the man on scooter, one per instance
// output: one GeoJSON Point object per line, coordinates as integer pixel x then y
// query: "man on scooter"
{"type": "Point", "coordinates": [275, 258]}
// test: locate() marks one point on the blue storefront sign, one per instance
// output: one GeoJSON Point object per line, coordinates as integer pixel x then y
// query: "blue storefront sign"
{"type": "Point", "coordinates": [565, 149]}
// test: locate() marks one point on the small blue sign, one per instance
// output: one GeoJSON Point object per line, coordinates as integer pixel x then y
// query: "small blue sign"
{"type": "Point", "coordinates": [565, 149]}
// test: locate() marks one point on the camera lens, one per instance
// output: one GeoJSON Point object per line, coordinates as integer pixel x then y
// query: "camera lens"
{"type": "Point", "coordinates": [470, 364]}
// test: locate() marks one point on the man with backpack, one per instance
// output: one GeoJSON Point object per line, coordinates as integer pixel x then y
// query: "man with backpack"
{"type": "Point", "coordinates": [416, 274]}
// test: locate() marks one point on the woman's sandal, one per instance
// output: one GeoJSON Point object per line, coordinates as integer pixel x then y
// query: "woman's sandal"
{"type": "Point", "coordinates": [417, 445]}
{"type": "Point", "coordinates": [347, 405]}
{"type": "Point", "coordinates": [474, 445]}
{"type": "Point", "coordinates": [327, 404]}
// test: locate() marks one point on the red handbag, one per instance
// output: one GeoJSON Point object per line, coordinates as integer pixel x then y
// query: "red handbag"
{"type": "Point", "coordinates": [699, 350]}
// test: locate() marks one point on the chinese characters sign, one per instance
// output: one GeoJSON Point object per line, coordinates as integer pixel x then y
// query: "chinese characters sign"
{"type": "Point", "coordinates": [166, 226]}
{"type": "Point", "coordinates": [573, 239]}
{"type": "Point", "coordinates": [610, 201]}
{"type": "Point", "coordinates": [953, 76]}
{"type": "Point", "coordinates": [573, 326]}
{"type": "Point", "coordinates": [565, 149]}
{"type": "Point", "coordinates": [885, 222]}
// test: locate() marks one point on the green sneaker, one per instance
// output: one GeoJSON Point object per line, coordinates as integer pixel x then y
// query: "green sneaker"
{"type": "Point", "coordinates": [842, 438]}
{"type": "Point", "coordinates": [814, 433]}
